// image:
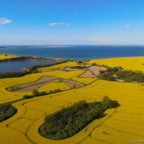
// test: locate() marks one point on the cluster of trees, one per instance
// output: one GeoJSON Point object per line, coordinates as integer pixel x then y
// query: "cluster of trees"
{"type": "Point", "coordinates": [29, 70]}
{"type": "Point", "coordinates": [70, 120]}
{"type": "Point", "coordinates": [6, 111]}
{"type": "Point", "coordinates": [93, 64]}
{"type": "Point", "coordinates": [82, 61]}
{"type": "Point", "coordinates": [108, 74]}
{"type": "Point", "coordinates": [130, 76]}
{"type": "Point", "coordinates": [114, 69]}
{"type": "Point", "coordinates": [126, 75]}
{"type": "Point", "coordinates": [13, 74]}
{"type": "Point", "coordinates": [36, 93]}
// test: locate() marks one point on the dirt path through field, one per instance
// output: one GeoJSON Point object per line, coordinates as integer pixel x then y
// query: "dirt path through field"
{"type": "Point", "coordinates": [42, 81]}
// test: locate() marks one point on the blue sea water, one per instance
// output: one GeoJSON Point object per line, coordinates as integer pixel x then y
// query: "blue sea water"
{"type": "Point", "coordinates": [75, 52]}
{"type": "Point", "coordinates": [66, 52]}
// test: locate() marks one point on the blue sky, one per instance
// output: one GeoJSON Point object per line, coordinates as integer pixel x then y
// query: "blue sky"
{"type": "Point", "coordinates": [72, 22]}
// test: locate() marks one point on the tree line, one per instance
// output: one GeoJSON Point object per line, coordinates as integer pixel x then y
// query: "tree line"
{"type": "Point", "coordinates": [36, 93]}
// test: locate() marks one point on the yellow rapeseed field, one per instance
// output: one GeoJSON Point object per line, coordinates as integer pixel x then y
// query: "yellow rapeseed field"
{"type": "Point", "coordinates": [6, 96]}
{"type": "Point", "coordinates": [67, 64]}
{"type": "Point", "coordinates": [123, 125]}
{"type": "Point", "coordinates": [6, 56]}
{"type": "Point", "coordinates": [21, 124]}
{"type": "Point", "coordinates": [53, 86]}
{"type": "Point", "coordinates": [72, 75]}
{"type": "Point", "coordinates": [128, 63]}
{"type": "Point", "coordinates": [59, 66]}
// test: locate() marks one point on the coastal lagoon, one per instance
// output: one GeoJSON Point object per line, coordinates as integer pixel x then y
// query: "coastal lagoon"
{"type": "Point", "coordinates": [19, 65]}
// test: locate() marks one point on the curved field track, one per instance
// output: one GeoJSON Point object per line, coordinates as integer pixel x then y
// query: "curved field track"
{"type": "Point", "coordinates": [42, 81]}
{"type": "Point", "coordinates": [34, 85]}
{"type": "Point", "coordinates": [123, 125]}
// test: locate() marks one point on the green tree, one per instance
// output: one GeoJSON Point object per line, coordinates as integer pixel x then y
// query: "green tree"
{"type": "Point", "coordinates": [106, 102]}
{"type": "Point", "coordinates": [35, 92]}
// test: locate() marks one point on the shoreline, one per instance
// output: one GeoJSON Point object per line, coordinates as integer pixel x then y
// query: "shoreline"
{"type": "Point", "coordinates": [19, 58]}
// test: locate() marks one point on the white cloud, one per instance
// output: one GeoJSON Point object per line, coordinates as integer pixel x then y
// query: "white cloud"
{"type": "Point", "coordinates": [128, 26]}
{"type": "Point", "coordinates": [56, 24]}
{"type": "Point", "coordinates": [4, 21]}
{"type": "Point", "coordinates": [67, 24]}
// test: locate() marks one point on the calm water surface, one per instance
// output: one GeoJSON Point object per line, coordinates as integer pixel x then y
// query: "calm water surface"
{"type": "Point", "coordinates": [67, 52]}
{"type": "Point", "coordinates": [75, 52]}
{"type": "Point", "coordinates": [19, 65]}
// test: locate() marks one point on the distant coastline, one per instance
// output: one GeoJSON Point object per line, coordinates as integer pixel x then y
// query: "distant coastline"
{"type": "Point", "coordinates": [3, 47]}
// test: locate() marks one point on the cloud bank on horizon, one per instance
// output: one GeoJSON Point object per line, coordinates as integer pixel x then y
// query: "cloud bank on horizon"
{"type": "Point", "coordinates": [4, 21]}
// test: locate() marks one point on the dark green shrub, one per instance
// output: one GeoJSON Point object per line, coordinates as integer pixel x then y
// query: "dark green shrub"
{"type": "Point", "coordinates": [27, 96]}
{"type": "Point", "coordinates": [6, 111]}
{"type": "Point", "coordinates": [35, 92]}
{"type": "Point", "coordinates": [114, 104]}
